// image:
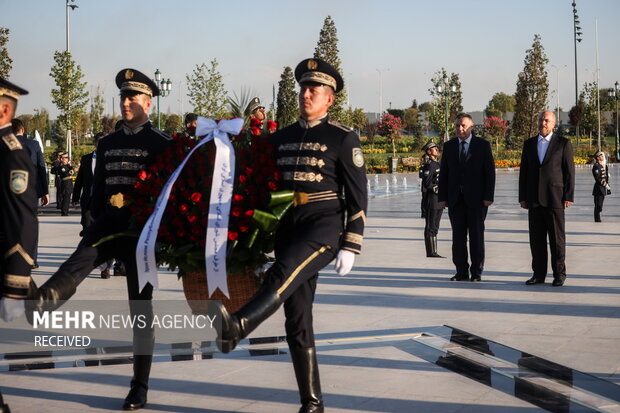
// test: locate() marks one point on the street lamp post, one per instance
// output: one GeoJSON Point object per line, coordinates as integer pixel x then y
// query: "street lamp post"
{"type": "Point", "coordinates": [577, 38]}
{"type": "Point", "coordinates": [557, 92]}
{"type": "Point", "coordinates": [67, 7]}
{"type": "Point", "coordinates": [165, 86]}
{"type": "Point", "coordinates": [615, 93]}
{"type": "Point", "coordinates": [445, 88]}
{"type": "Point", "coordinates": [380, 94]}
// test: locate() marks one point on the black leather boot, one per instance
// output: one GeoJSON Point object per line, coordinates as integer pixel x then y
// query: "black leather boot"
{"type": "Point", "coordinates": [429, 247]}
{"type": "Point", "coordinates": [51, 295]}
{"type": "Point", "coordinates": [238, 325]}
{"type": "Point", "coordinates": [434, 248]}
{"type": "Point", "coordinates": [136, 398]}
{"type": "Point", "coordinates": [307, 374]}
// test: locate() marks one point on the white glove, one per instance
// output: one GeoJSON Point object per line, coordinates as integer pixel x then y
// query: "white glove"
{"type": "Point", "coordinates": [11, 309]}
{"type": "Point", "coordinates": [344, 262]}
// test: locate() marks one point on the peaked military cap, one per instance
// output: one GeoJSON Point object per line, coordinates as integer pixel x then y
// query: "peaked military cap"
{"type": "Point", "coordinates": [430, 144]}
{"type": "Point", "coordinates": [318, 71]}
{"type": "Point", "coordinates": [11, 90]}
{"type": "Point", "coordinates": [252, 106]}
{"type": "Point", "coordinates": [598, 153]}
{"type": "Point", "coordinates": [136, 81]}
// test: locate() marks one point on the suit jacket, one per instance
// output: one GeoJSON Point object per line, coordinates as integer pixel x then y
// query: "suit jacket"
{"type": "Point", "coordinates": [551, 182]}
{"type": "Point", "coordinates": [84, 182]}
{"type": "Point", "coordinates": [474, 178]}
{"type": "Point", "coordinates": [36, 156]}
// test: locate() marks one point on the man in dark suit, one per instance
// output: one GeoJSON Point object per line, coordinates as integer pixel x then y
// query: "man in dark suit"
{"type": "Point", "coordinates": [82, 189]}
{"type": "Point", "coordinates": [546, 188]}
{"type": "Point", "coordinates": [467, 187]}
{"type": "Point", "coordinates": [36, 156]}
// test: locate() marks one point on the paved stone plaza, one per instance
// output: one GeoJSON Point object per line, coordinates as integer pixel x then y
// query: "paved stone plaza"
{"type": "Point", "coordinates": [383, 345]}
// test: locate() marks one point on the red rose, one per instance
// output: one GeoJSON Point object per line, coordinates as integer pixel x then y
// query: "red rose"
{"type": "Point", "coordinates": [255, 131]}
{"type": "Point", "coordinates": [243, 179]}
{"type": "Point", "coordinates": [232, 235]}
{"type": "Point", "coordinates": [237, 198]}
{"type": "Point", "coordinates": [249, 213]}
{"type": "Point", "coordinates": [183, 209]}
{"type": "Point", "coordinates": [196, 196]}
{"type": "Point", "coordinates": [249, 171]}
{"type": "Point", "coordinates": [271, 125]}
{"type": "Point", "coordinates": [236, 211]}
{"type": "Point", "coordinates": [255, 122]}
{"type": "Point", "coordinates": [272, 186]}
{"type": "Point", "coordinates": [192, 218]}
{"type": "Point", "coordinates": [142, 175]}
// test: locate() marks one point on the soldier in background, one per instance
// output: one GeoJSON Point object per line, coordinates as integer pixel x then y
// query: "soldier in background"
{"type": "Point", "coordinates": [18, 219]}
{"type": "Point", "coordinates": [430, 189]}
{"type": "Point", "coordinates": [600, 171]}
{"type": "Point", "coordinates": [64, 172]}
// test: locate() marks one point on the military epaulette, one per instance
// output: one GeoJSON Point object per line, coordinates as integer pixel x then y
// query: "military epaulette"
{"type": "Point", "coordinates": [163, 134]}
{"type": "Point", "coordinates": [339, 125]}
{"type": "Point", "coordinates": [12, 142]}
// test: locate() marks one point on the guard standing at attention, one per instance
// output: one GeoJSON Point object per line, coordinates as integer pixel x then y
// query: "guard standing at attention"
{"type": "Point", "coordinates": [64, 171]}
{"type": "Point", "coordinates": [430, 189]}
{"type": "Point", "coordinates": [321, 160]}
{"type": "Point", "coordinates": [18, 218]}
{"type": "Point", "coordinates": [120, 156]}
{"type": "Point", "coordinates": [600, 171]}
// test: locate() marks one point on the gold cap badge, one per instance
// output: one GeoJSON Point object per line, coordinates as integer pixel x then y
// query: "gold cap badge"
{"type": "Point", "coordinates": [128, 74]}
{"type": "Point", "coordinates": [312, 64]}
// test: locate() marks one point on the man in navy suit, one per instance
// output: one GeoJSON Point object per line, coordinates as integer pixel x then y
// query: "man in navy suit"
{"type": "Point", "coordinates": [82, 189]}
{"type": "Point", "coordinates": [467, 187]}
{"type": "Point", "coordinates": [546, 189]}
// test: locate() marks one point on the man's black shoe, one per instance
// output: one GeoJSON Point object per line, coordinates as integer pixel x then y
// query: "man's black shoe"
{"type": "Point", "coordinates": [558, 282]}
{"type": "Point", "coordinates": [534, 280]}
{"type": "Point", "coordinates": [476, 278]}
{"type": "Point", "coordinates": [460, 277]}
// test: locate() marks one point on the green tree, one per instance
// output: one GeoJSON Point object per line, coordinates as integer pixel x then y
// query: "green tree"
{"type": "Point", "coordinates": [500, 104]}
{"type": "Point", "coordinates": [411, 121]}
{"type": "Point", "coordinates": [358, 120]}
{"type": "Point", "coordinates": [327, 49]}
{"type": "Point", "coordinates": [206, 91]}
{"type": "Point", "coordinates": [70, 96]}
{"type": "Point", "coordinates": [40, 121]}
{"type": "Point", "coordinates": [589, 120]}
{"type": "Point", "coordinates": [5, 60]}
{"type": "Point", "coordinates": [531, 96]}
{"type": "Point", "coordinates": [97, 106]}
{"type": "Point", "coordinates": [453, 99]}
{"type": "Point", "coordinates": [173, 124]}
{"type": "Point", "coordinates": [287, 105]}
{"type": "Point", "coordinates": [426, 107]}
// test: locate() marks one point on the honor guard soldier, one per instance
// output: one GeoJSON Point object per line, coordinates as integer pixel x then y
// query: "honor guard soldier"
{"type": "Point", "coordinates": [321, 160]}
{"type": "Point", "coordinates": [120, 156]}
{"type": "Point", "coordinates": [18, 219]}
{"type": "Point", "coordinates": [255, 110]}
{"type": "Point", "coordinates": [601, 188]}
{"type": "Point", "coordinates": [430, 181]}
{"type": "Point", "coordinates": [64, 171]}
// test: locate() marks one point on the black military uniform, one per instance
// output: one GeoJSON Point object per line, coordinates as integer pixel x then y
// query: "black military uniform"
{"type": "Point", "coordinates": [18, 205]}
{"type": "Point", "coordinates": [64, 172]}
{"type": "Point", "coordinates": [120, 156]}
{"type": "Point", "coordinates": [601, 185]}
{"type": "Point", "coordinates": [430, 185]}
{"type": "Point", "coordinates": [421, 176]}
{"type": "Point", "coordinates": [322, 161]}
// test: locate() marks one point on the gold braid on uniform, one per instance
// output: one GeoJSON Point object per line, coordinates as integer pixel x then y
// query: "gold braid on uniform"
{"type": "Point", "coordinates": [21, 251]}
{"type": "Point", "coordinates": [360, 214]}
{"type": "Point", "coordinates": [301, 266]}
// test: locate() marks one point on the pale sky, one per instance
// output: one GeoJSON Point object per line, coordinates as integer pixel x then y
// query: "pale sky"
{"type": "Point", "coordinates": [387, 48]}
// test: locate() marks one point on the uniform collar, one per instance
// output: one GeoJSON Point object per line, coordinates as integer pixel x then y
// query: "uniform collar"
{"type": "Point", "coordinates": [137, 129]}
{"type": "Point", "coordinates": [307, 124]}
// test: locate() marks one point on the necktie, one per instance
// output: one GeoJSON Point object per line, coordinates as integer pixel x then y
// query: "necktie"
{"type": "Point", "coordinates": [463, 152]}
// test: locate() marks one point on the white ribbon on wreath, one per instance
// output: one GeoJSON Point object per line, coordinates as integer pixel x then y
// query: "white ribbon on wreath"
{"type": "Point", "coordinates": [219, 208]}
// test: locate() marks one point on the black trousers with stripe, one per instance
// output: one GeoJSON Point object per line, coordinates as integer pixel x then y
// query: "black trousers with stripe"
{"type": "Point", "coordinates": [294, 275]}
